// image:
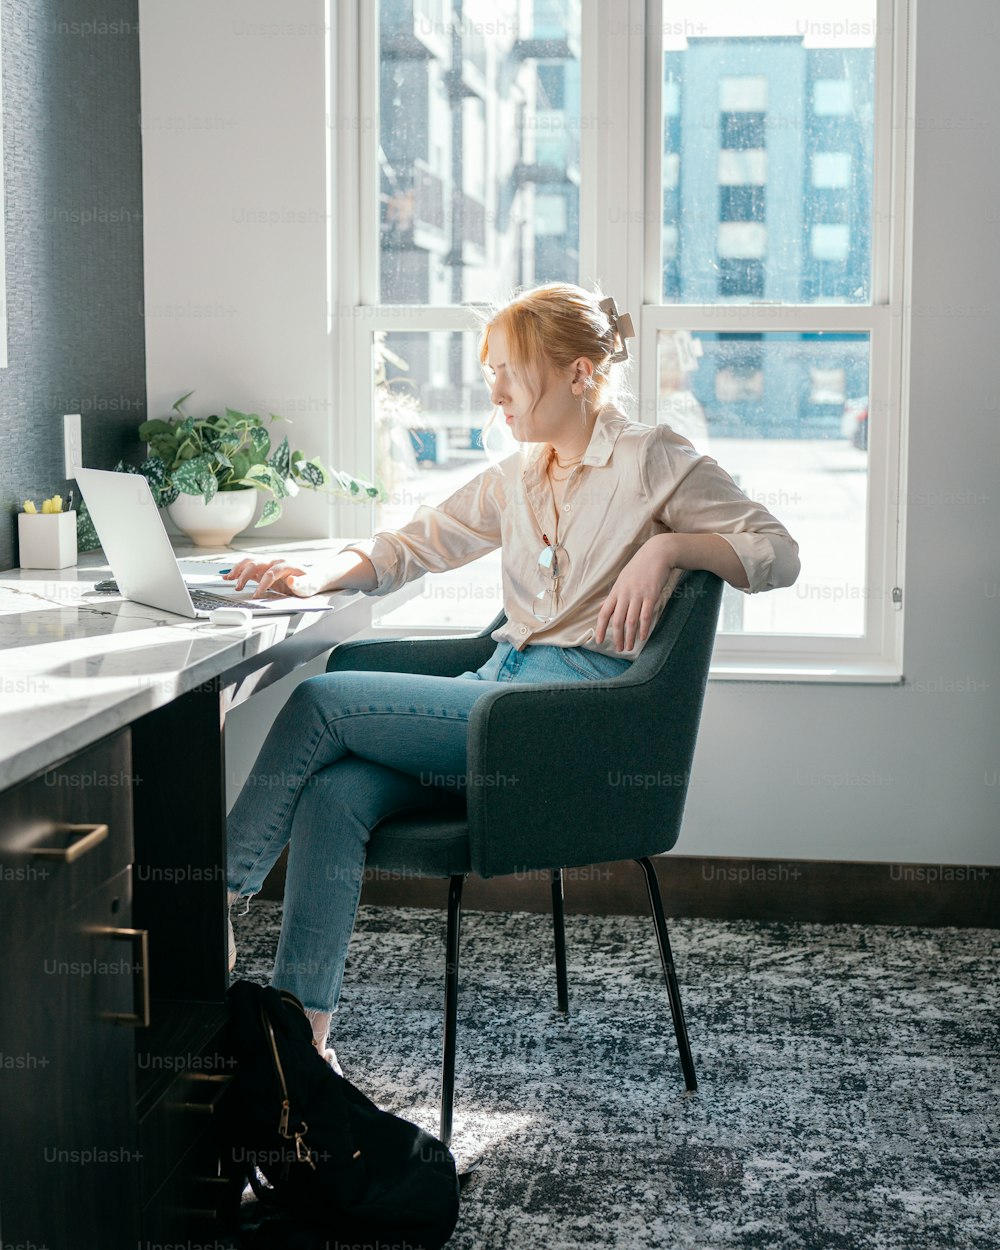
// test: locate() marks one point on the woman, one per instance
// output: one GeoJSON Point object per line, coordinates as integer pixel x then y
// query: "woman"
{"type": "Point", "coordinates": [596, 518]}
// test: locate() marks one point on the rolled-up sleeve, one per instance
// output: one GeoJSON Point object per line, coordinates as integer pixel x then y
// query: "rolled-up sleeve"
{"type": "Point", "coordinates": [691, 494]}
{"type": "Point", "coordinates": [461, 529]}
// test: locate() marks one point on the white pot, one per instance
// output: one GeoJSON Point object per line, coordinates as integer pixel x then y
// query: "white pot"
{"type": "Point", "coordinates": [213, 524]}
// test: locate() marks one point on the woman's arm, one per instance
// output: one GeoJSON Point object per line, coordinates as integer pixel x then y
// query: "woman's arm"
{"type": "Point", "coordinates": [630, 606]}
{"type": "Point", "coordinates": [462, 528]}
{"type": "Point", "coordinates": [713, 525]}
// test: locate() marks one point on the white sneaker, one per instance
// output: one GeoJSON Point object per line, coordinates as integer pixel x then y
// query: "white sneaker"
{"type": "Point", "coordinates": [330, 1055]}
{"type": "Point", "coordinates": [231, 897]}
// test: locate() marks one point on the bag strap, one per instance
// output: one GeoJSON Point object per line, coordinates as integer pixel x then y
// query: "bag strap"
{"type": "Point", "coordinates": [303, 1153]}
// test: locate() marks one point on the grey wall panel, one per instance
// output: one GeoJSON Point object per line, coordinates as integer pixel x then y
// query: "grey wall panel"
{"type": "Point", "coordinates": [73, 192]}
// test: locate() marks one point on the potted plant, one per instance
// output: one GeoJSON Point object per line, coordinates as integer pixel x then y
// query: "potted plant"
{"type": "Point", "coordinates": [207, 472]}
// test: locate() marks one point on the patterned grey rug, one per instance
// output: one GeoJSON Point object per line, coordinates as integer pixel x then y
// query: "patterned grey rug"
{"type": "Point", "coordinates": [848, 1078]}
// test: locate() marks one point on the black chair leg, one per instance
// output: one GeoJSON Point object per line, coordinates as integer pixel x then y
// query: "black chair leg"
{"type": "Point", "coordinates": [450, 1006]}
{"type": "Point", "coordinates": [673, 989]}
{"type": "Point", "coordinates": [559, 928]}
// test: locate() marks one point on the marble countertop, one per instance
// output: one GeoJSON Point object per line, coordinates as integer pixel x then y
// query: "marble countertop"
{"type": "Point", "coordinates": [76, 664]}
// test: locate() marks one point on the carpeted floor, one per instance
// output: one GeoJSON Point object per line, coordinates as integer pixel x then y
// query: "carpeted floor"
{"type": "Point", "coordinates": [848, 1092]}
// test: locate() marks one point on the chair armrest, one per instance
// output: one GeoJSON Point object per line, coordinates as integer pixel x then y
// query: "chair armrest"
{"type": "Point", "coordinates": [433, 657]}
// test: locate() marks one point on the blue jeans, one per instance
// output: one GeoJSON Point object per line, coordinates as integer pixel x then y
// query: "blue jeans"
{"type": "Point", "coordinates": [347, 751]}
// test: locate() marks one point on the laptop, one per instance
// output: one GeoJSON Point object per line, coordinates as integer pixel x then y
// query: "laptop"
{"type": "Point", "coordinates": [140, 554]}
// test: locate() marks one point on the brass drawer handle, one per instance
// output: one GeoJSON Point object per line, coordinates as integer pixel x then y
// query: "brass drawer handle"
{"type": "Point", "coordinates": [221, 1081]}
{"type": "Point", "coordinates": [139, 939]}
{"type": "Point", "coordinates": [90, 836]}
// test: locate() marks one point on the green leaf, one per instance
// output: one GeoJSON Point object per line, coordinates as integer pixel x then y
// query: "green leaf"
{"type": "Point", "coordinates": [149, 428]}
{"type": "Point", "coordinates": [270, 513]}
{"type": "Point", "coordinates": [86, 535]}
{"type": "Point", "coordinates": [280, 460]}
{"type": "Point", "coordinates": [260, 440]}
{"type": "Point", "coordinates": [177, 406]}
{"type": "Point", "coordinates": [195, 477]}
{"type": "Point", "coordinates": [264, 478]}
{"type": "Point", "coordinates": [155, 472]}
{"type": "Point", "coordinates": [277, 484]}
{"type": "Point", "coordinates": [241, 463]}
{"type": "Point", "coordinates": [310, 473]}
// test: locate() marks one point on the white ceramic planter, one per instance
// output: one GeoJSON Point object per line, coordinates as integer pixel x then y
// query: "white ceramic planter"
{"type": "Point", "coordinates": [46, 540]}
{"type": "Point", "coordinates": [215, 523]}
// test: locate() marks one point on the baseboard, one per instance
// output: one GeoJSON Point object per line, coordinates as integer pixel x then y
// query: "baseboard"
{"type": "Point", "coordinates": [819, 891]}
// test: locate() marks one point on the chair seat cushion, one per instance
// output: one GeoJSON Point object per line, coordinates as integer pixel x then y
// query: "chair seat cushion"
{"type": "Point", "coordinates": [420, 845]}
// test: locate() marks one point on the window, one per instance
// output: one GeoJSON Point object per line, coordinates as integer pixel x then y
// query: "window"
{"type": "Point", "coordinates": [760, 239]}
{"type": "Point", "coordinates": [794, 388]}
{"type": "Point", "coordinates": [831, 169]}
{"type": "Point", "coordinates": [832, 97]}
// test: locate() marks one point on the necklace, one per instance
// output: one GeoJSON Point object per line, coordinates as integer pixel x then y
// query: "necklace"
{"type": "Point", "coordinates": [567, 464]}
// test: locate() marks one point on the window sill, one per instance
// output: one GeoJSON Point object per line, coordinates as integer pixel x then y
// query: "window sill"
{"type": "Point", "coordinates": [842, 672]}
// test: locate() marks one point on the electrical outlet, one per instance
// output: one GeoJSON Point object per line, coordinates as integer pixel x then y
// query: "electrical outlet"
{"type": "Point", "coordinates": [72, 444]}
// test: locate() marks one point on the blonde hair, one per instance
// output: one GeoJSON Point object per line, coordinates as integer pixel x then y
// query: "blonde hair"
{"type": "Point", "coordinates": [556, 324]}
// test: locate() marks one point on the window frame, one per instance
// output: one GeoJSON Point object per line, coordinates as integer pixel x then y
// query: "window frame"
{"type": "Point", "coordinates": [626, 177]}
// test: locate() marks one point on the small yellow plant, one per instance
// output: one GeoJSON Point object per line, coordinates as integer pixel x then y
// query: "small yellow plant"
{"type": "Point", "coordinates": [55, 504]}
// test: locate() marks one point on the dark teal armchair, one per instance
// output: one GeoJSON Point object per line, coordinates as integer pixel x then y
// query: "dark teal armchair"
{"type": "Point", "coordinates": [582, 754]}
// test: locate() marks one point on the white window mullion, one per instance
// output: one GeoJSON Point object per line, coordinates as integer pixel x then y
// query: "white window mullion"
{"type": "Point", "coordinates": [612, 104]}
{"type": "Point", "coordinates": [365, 240]}
{"type": "Point", "coordinates": [889, 145]}
{"type": "Point", "coordinates": [652, 284]}
{"type": "Point", "coordinates": [345, 141]}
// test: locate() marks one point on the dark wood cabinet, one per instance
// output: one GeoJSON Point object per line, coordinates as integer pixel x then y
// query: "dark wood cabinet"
{"type": "Point", "coordinates": [70, 980]}
{"type": "Point", "coordinates": [112, 925]}
{"type": "Point", "coordinates": [112, 989]}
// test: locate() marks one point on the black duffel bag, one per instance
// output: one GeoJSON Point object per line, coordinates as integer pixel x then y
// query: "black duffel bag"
{"type": "Point", "coordinates": [341, 1170]}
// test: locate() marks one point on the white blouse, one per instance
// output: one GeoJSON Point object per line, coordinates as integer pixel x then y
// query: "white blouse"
{"type": "Point", "coordinates": [634, 481]}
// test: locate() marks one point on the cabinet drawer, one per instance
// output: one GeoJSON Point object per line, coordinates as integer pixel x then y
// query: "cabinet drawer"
{"type": "Point", "coordinates": [187, 1112]}
{"type": "Point", "coordinates": [66, 832]}
{"type": "Point", "coordinates": [70, 1172]}
{"type": "Point", "coordinates": [197, 1205]}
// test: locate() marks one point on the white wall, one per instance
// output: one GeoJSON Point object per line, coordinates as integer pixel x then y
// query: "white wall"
{"type": "Point", "coordinates": [236, 218]}
{"type": "Point", "coordinates": [859, 772]}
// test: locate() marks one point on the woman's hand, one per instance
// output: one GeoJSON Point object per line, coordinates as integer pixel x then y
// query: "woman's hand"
{"type": "Point", "coordinates": [346, 570]}
{"type": "Point", "coordinates": [629, 607]}
{"type": "Point", "coordinates": [279, 575]}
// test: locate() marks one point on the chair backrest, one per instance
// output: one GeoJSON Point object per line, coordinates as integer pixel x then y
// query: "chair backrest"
{"type": "Point", "coordinates": [603, 767]}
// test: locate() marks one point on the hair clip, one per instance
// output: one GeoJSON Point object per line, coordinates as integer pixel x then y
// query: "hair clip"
{"type": "Point", "coordinates": [621, 325]}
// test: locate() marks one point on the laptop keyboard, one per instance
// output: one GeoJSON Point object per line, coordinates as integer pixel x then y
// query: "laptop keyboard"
{"type": "Point", "coordinates": [205, 601]}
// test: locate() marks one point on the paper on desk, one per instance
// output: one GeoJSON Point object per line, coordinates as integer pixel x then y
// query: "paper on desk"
{"type": "Point", "coordinates": [280, 604]}
{"type": "Point", "coordinates": [204, 576]}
